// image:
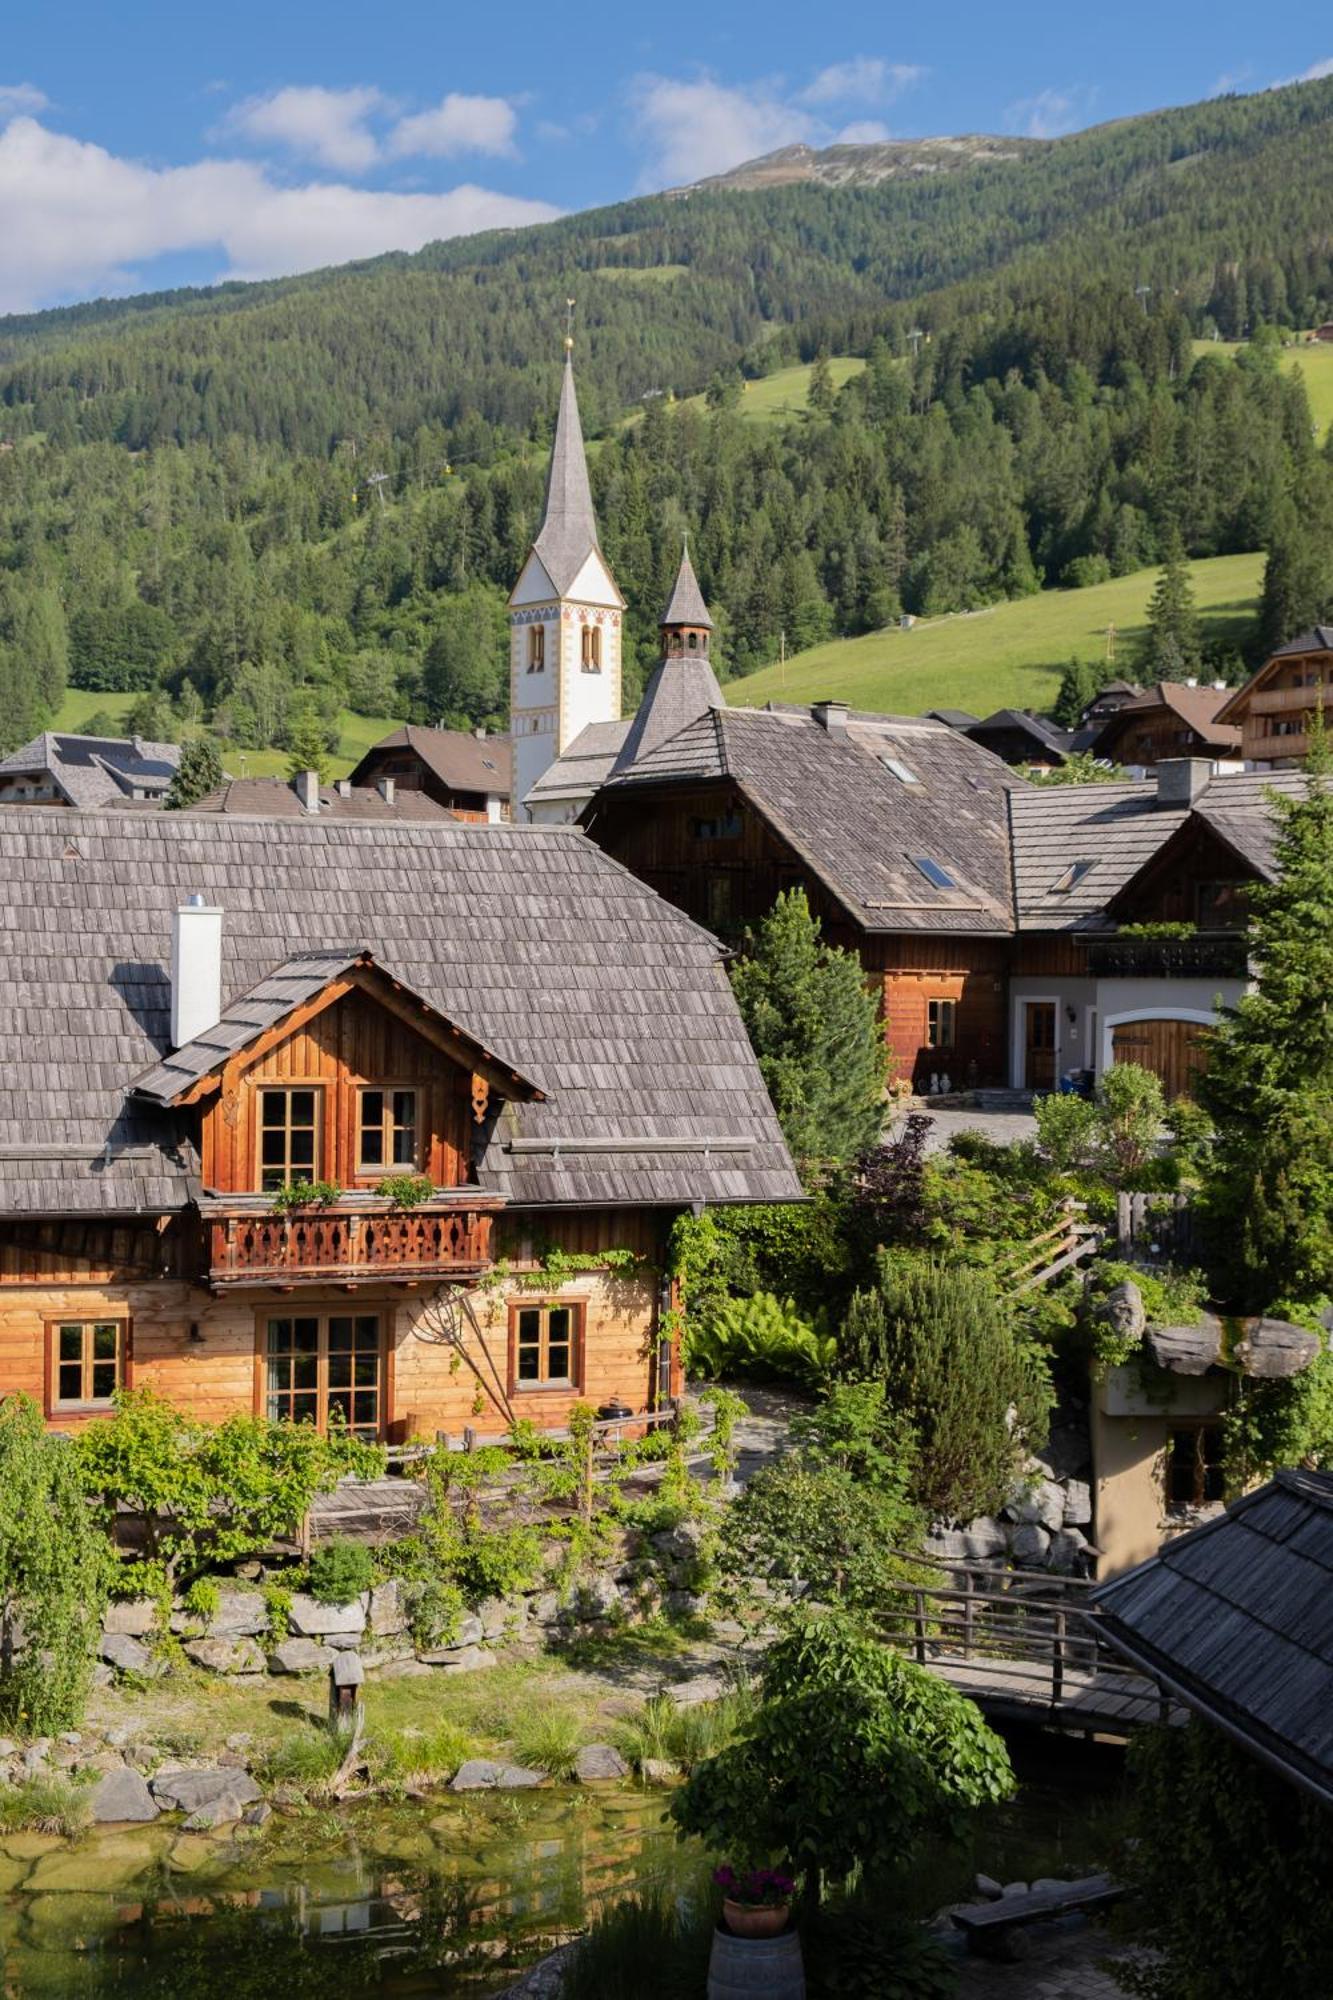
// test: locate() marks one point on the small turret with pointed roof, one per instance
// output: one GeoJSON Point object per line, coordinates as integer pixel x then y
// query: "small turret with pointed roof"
{"type": "Point", "coordinates": [683, 685]}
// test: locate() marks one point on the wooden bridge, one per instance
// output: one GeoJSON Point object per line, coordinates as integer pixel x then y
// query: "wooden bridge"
{"type": "Point", "coordinates": [1026, 1646]}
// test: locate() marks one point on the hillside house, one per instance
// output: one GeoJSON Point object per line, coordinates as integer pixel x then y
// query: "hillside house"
{"type": "Point", "coordinates": [466, 771]}
{"type": "Point", "coordinates": [1274, 708]}
{"type": "Point", "coordinates": [1107, 701]}
{"type": "Point", "coordinates": [1028, 742]}
{"type": "Point", "coordinates": [61, 769]}
{"type": "Point", "coordinates": [1172, 719]}
{"type": "Point", "coordinates": [231, 1006]}
{"type": "Point", "coordinates": [306, 796]}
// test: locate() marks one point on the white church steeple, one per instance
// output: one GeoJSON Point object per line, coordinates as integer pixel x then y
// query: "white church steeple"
{"type": "Point", "coordinates": [565, 614]}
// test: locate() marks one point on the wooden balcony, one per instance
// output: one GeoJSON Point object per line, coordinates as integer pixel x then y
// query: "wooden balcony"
{"type": "Point", "coordinates": [358, 1240]}
{"type": "Point", "coordinates": [1289, 701]}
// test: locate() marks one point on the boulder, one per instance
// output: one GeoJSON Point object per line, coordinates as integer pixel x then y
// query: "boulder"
{"type": "Point", "coordinates": [1078, 1503]}
{"type": "Point", "coordinates": [598, 1598]}
{"type": "Point", "coordinates": [986, 1885]}
{"type": "Point", "coordinates": [387, 1615]}
{"type": "Point", "coordinates": [126, 1655]}
{"type": "Point", "coordinates": [984, 1538]}
{"type": "Point", "coordinates": [946, 1543]}
{"type": "Point", "coordinates": [225, 1656]}
{"type": "Point", "coordinates": [191, 1791]}
{"type": "Point", "coordinates": [300, 1656]}
{"type": "Point", "coordinates": [1066, 1453]}
{"type": "Point", "coordinates": [1014, 1889]}
{"type": "Point", "coordinates": [121, 1796]}
{"type": "Point", "coordinates": [132, 1617]}
{"type": "Point", "coordinates": [460, 1659]}
{"type": "Point", "coordinates": [1031, 1544]}
{"type": "Point", "coordinates": [311, 1620]}
{"type": "Point", "coordinates": [1066, 1551]}
{"type": "Point", "coordinates": [598, 1763]}
{"type": "Point", "coordinates": [484, 1774]}
{"type": "Point", "coordinates": [684, 1604]}
{"type": "Point", "coordinates": [499, 1615]}
{"type": "Point", "coordinates": [1043, 1504]}
{"type": "Point", "coordinates": [544, 1608]}
{"type": "Point", "coordinates": [241, 1614]}
{"type": "Point", "coordinates": [659, 1770]}
{"type": "Point", "coordinates": [225, 1810]}
{"type": "Point", "coordinates": [258, 1815]}
{"type": "Point", "coordinates": [190, 1852]}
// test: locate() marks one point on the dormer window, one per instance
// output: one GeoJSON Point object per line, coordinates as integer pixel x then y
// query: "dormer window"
{"type": "Point", "coordinates": [592, 649]}
{"type": "Point", "coordinates": [387, 1130]}
{"type": "Point", "coordinates": [288, 1137]}
{"type": "Point", "coordinates": [536, 649]}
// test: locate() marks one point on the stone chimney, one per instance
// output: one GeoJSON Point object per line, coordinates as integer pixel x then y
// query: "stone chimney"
{"type": "Point", "coordinates": [343, 788]}
{"type": "Point", "coordinates": [1182, 780]}
{"type": "Point", "coordinates": [196, 971]}
{"type": "Point", "coordinates": [386, 789]}
{"type": "Point", "coordinates": [306, 786]}
{"type": "Point", "coordinates": [830, 715]}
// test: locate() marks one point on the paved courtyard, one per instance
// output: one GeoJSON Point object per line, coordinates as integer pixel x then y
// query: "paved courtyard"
{"type": "Point", "coordinates": [1002, 1126]}
{"type": "Point", "coordinates": [1071, 1960]}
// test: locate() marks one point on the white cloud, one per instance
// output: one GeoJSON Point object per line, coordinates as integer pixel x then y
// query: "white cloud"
{"type": "Point", "coordinates": [458, 124]}
{"type": "Point", "coordinates": [862, 132]}
{"type": "Point", "coordinates": [863, 80]}
{"type": "Point", "coordinates": [1324, 67]}
{"type": "Point", "coordinates": [20, 97]}
{"type": "Point", "coordinates": [76, 219]}
{"type": "Point", "coordinates": [327, 126]}
{"type": "Point", "coordinates": [1050, 113]}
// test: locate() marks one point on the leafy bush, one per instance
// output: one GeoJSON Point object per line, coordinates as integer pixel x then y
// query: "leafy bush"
{"type": "Point", "coordinates": [1067, 1129]}
{"type": "Point", "coordinates": [55, 1570]}
{"type": "Point", "coordinates": [1132, 1118]}
{"type": "Point", "coordinates": [203, 1597]}
{"type": "Point", "coordinates": [341, 1571]}
{"type": "Point", "coordinates": [762, 1336]}
{"type": "Point", "coordinates": [857, 1953]}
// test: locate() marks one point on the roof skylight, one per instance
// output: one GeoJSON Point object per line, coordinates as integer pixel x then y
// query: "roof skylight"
{"type": "Point", "coordinates": [1071, 878]}
{"type": "Point", "coordinates": [938, 878]}
{"type": "Point", "coordinates": [900, 771]}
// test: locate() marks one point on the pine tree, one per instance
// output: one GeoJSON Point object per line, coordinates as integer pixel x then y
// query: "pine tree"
{"type": "Point", "coordinates": [1079, 683]}
{"type": "Point", "coordinates": [816, 1032]}
{"type": "Point", "coordinates": [1298, 579]}
{"type": "Point", "coordinates": [198, 773]}
{"type": "Point", "coordinates": [308, 745]}
{"type": "Point", "coordinates": [1172, 647]}
{"type": "Point", "coordinates": [821, 394]}
{"type": "Point", "coordinates": [1269, 1081]}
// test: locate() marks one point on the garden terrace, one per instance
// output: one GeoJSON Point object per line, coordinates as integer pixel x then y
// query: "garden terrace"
{"type": "Point", "coordinates": [355, 1240]}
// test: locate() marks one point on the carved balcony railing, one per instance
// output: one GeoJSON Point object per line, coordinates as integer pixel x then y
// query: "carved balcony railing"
{"type": "Point", "coordinates": [357, 1240]}
{"type": "Point", "coordinates": [1168, 958]}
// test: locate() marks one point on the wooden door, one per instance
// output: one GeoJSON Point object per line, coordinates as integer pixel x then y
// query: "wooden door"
{"type": "Point", "coordinates": [1039, 1061]}
{"type": "Point", "coordinates": [1172, 1050]}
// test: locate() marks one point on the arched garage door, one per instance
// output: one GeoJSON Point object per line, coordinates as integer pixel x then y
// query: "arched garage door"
{"type": "Point", "coordinates": [1172, 1050]}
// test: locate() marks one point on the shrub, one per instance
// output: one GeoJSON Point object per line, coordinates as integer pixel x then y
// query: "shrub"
{"type": "Point", "coordinates": [1067, 1129]}
{"type": "Point", "coordinates": [663, 1729]}
{"type": "Point", "coordinates": [203, 1597]}
{"type": "Point", "coordinates": [341, 1571]}
{"type": "Point", "coordinates": [1132, 1118]}
{"type": "Point", "coordinates": [652, 1946]}
{"type": "Point", "coordinates": [761, 1336]}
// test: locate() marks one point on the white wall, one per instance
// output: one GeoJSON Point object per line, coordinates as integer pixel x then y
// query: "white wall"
{"type": "Point", "coordinates": [1073, 1046]}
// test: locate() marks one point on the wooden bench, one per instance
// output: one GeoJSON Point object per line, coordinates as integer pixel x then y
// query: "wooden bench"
{"type": "Point", "coordinates": [988, 1925]}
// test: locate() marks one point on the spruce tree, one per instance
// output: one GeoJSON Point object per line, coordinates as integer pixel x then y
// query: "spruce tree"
{"type": "Point", "coordinates": [1171, 648]}
{"type": "Point", "coordinates": [816, 1032]}
{"type": "Point", "coordinates": [198, 773]}
{"type": "Point", "coordinates": [1269, 1082]}
{"type": "Point", "coordinates": [309, 750]}
{"type": "Point", "coordinates": [1298, 579]}
{"type": "Point", "coordinates": [1079, 684]}
{"type": "Point", "coordinates": [821, 394]}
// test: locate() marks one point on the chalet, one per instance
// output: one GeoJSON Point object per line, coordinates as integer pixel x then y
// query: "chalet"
{"type": "Point", "coordinates": [1272, 711]}
{"type": "Point", "coordinates": [1182, 848]}
{"type": "Point", "coordinates": [1172, 719]}
{"type": "Point", "coordinates": [306, 795]}
{"type": "Point", "coordinates": [1107, 700]}
{"type": "Point", "coordinates": [895, 827]}
{"type": "Point", "coordinates": [466, 772]}
{"type": "Point", "coordinates": [487, 1043]}
{"type": "Point", "coordinates": [1028, 742]}
{"type": "Point", "coordinates": [60, 769]}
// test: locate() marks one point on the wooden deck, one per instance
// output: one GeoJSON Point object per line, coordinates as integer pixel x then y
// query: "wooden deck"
{"type": "Point", "coordinates": [1105, 1703]}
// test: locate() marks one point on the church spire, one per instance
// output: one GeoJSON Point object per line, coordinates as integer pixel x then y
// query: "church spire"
{"type": "Point", "coordinates": [686, 608]}
{"type": "Point", "coordinates": [683, 685]}
{"type": "Point", "coordinates": [568, 533]}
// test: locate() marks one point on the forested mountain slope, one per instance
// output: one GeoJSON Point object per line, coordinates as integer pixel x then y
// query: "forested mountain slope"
{"type": "Point", "coordinates": [185, 500]}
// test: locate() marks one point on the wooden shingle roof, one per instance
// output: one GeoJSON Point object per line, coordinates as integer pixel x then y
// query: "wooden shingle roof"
{"type": "Point", "coordinates": [546, 949]}
{"type": "Point", "coordinates": [1237, 1618]}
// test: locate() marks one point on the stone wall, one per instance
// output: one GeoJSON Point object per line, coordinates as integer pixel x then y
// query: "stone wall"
{"type": "Point", "coordinates": [1046, 1523]}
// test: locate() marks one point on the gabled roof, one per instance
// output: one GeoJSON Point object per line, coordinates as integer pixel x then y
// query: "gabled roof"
{"type": "Point", "coordinates": [586, 763]}
{"type": "Point", "coordinates": [1237, 1618]}
{"type": "Point", "coordinates": [1044, 735]}
{"type": "Point", "coordinates": [686, 604]}
{"type": "Point", "coordinates": [568, 533]}
{"type": "Point", "coordinates": [1319, 639]}
{"type": "Point", "coordinates": [95, 770]}
{"type": "Point", "coordinates": [545, 948]}
{"type": "Point", "coordinates": [461, 761]}
{"type": "Point", "coordinates": [275, 798]}
{"type": "Point", "coordinates": [835, 798]}
{"type": "Point", "coordinates": [1199, 708]}
{"type": "Point", "coordinates": [309, 976]}
{"type": "Point", "coordinates": [1119, 829]}
{"type": "Point", "coordinates": [956, 718]}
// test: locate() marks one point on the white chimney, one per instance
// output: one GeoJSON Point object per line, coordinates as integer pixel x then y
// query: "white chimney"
{"type": "Point", "coordinates": [196, 971]}
{"type": "Point", "coordinates": [306, 786]}
{"type": "Point", "coordinates": [386, 790]}
{"type": "Point", "coordinates": [830, 715]}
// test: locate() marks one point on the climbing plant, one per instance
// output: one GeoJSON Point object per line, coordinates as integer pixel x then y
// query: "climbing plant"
{"type": "Point", "coordinates": [55, 1567]}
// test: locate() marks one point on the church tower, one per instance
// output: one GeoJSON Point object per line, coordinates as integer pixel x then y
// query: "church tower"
{"type": "Point", "coordinates": [683, 685]}
{"type": "Point", "coordinates": [565, 615]}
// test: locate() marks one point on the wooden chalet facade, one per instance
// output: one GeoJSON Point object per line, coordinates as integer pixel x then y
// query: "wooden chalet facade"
{"type": "Point", "coordinates": [469, 774]}
{"type": "Point", "coordinates": [1170, 720]}
{"type": "Point", "coordinates": [1274, 709]}
{"type": "Point", "coordinates": [227, 1008]}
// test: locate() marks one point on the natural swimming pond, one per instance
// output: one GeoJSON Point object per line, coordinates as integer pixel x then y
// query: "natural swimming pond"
{"type": "Point", "coordinates": [437, 1896]}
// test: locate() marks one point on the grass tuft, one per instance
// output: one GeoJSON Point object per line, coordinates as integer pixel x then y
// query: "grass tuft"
{"type": "Point", "coordinates": [687, 1736]}
{"type": "Point", "coordinates": [403, 1755]}
{"type": "Point", "coordinates": [549, 1740]}
{"type": "Point", "coordinates": [45, 1804]}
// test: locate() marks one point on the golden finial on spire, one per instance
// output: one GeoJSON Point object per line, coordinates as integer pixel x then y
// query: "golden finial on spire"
{"type": "Point", "coordinates": [569, 326]}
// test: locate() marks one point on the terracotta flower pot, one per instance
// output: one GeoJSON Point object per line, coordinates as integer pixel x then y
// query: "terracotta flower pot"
{"type": "Point", "coordinates": [755, 1920]}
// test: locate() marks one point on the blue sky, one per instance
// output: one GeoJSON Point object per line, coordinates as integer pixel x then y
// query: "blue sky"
{"type": "Point", "coordinates": [144, 145]}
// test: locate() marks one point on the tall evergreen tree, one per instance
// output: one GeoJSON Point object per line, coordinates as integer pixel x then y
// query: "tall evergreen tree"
{"type": "Point", "coordinates": [816, 1032]}
{"type": "Point", "coordinates": [1172, 647]}
{"type": "Point", "coordinates": [198, 772]}
{"type": "Point", "coordinates": [1298, 576]}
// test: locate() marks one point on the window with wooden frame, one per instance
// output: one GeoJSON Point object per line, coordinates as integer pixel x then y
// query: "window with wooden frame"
{"type": "Point", "coordinates": [940, 1018]}
{"type": "Point", "coordinates": [1194, 1475]}
{"type": "Point", "coordinates": [315, 1363]}
{"type": "Point", "coordinates": [386, 1129]}
{"type": "Point", "coordinates": [536, 649]}
{"type": "Point", "coordinates": [289, 1125]}
{"type": "Point", "coordinates": [546, 1345]}
{"type": "Point", "coordinates": [86, 1362]}
{"type": "Point", "coordinates": [591, 644]}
